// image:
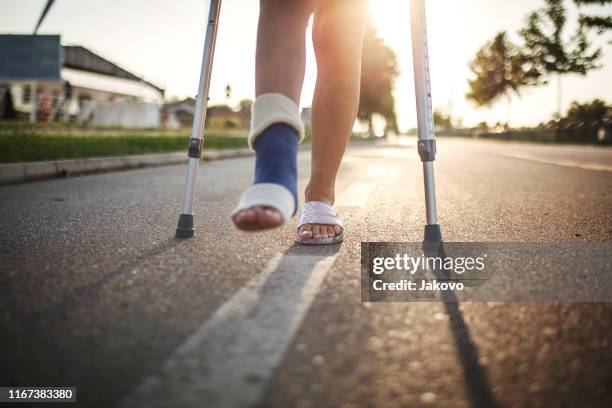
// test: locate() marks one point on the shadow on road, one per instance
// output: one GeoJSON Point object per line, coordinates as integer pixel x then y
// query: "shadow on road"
{"type": "Point", "coordinates": [59, 309]}
{"type": "Point", "coordinates": [312, 250]}
{"type": "Point", "coordinates": [476, 380]}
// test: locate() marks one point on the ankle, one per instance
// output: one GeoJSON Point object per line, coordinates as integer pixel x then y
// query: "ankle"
{"type": "Point", "coordinates": [318, 194]}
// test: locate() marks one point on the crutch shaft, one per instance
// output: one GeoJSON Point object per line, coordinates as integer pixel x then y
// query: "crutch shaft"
{"type": "Point", "coordinates": [426, 143]}
{"type": "Point", "coordinates": [430, 193]}
{"type": "Point", "coordinates": [185, 226]}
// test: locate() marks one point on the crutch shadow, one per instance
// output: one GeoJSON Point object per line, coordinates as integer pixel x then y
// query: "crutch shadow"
{"type": "Point", "coordinates": [475, 377]}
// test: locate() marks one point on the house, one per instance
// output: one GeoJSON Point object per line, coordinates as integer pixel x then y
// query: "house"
{"type": "Point", "coordinates": [180, 114]}
{"type": "Point", "coordinates": [224, 117]}
{"type": "Point", "coordinates": [90, 90]}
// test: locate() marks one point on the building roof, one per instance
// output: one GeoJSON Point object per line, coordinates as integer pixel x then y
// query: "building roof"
{"type": "Point", "coordinates": [81, 58]}
{"type": "Point", "coordinates": [111, 84]}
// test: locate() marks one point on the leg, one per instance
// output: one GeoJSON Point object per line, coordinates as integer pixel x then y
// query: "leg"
{"type": "Point", "coordinates": [337, 38]}
{"type": "Point", "coordinates": [280, 59]}
{"type": "Point", "coordinates": [280, 65]}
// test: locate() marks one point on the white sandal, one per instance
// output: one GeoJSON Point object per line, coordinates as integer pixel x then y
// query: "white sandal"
{"type": "Point", "coordinates": [316, 212]}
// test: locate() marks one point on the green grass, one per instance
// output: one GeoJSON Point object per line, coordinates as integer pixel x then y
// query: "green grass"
{"type": "Point", "coordinates": [18, 144]}
{"type": "Point", "coordinates": [21, 141]}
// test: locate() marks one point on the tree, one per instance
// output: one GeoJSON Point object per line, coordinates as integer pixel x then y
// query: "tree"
{"type": "Point", "coordinates": [598, 23]}
{"type": "Point", "coordinates": [442, 120]}
{"type": "Point", "coordinates": [550, 53]}
{"type": "Point", "coordinates": [378, 73]}
{"type": "Point", "coordinates": [591, 113]}
{"type": "Point", "coordinates": [499, 69]}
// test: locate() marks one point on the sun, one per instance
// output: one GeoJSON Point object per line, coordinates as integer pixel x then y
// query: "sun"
{"type": "Point", "coordinates": [391, 19]}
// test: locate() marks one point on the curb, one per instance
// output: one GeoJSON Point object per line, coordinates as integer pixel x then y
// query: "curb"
{"type": "Point", "coordinates": [30, 171]}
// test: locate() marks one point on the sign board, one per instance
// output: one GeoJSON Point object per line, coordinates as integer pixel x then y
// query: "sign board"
{"type": "Point", "coordinates": [30, 57]}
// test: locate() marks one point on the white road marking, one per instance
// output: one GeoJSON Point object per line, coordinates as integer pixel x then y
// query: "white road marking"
{"type": "Point", "coordinates": [228, 361]}
{"type": "Point", "coordinates": [356, 195]}
{"type": "Point", "coordinates": [563, 163]}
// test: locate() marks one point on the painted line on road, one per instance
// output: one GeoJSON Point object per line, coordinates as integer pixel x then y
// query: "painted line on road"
{"type": "Point", "coordinates": [356, 195]}
{"type": "Point", "coordinates": [228, 361]}
{"type": "Point", "coordinates": [563, 163]}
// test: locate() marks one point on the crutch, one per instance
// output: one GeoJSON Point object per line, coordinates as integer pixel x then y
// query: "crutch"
{"type": "Point", "coordinates": [426, 144]}
{"type": "Point", "coordinates": [185, 227]}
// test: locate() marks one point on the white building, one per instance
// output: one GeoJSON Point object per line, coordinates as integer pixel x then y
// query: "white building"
{"type": "Point", "coordinates": [92, 91]}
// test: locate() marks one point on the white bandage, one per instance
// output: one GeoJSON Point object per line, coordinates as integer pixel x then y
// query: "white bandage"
{"type": "Point", "coordinates": [272, 108]}
{"type": "Point", "coordinates": [268, 195]}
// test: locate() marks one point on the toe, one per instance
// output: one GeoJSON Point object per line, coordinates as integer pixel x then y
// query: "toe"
{"type": "Point", "coordinates": [267, 217]}
{"type": "Point", "coordinates": [257, 218]}
{"type": "Point", "coordinates": [248, 216]}
{"type": "Point", "coordinates": [324, 233]}
{"type": "Point", "coordinates": [306, 231]}
{"type": "Point", "coordinates": [330, 231]}
{"type": "Point", "coordinates": [316, 232]}
{"type": "Point", "coordinates": [237, 217]}
{"type": "Point", "coordinates": [273, 216]}
{"type": "Point", "coordinates": [258, 215]}
{"type": "Point", "coordinates": [247, 219]}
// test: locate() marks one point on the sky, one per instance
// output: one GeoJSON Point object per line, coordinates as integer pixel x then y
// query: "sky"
{"type": "Point", "coordinates": [162, 41]}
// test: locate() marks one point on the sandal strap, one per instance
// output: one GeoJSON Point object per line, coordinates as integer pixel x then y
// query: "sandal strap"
{"type": "Point", "coordinates": [316, 212]}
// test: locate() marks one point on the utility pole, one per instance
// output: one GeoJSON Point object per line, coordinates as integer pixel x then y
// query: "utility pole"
{"type": "Point", "coordinates": [33, 87]}
{"type": "Point", "coordinates": [43, 15]}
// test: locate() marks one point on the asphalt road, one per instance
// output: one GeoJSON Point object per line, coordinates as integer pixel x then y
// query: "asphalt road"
{"type": "Point", "coordinates": [96, 293]}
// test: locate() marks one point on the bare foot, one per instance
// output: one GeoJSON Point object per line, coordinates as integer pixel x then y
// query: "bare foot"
{"type": "Point", "coordinates": [318, 231]}
{"type": "Point", "coordinates": [257, 218]}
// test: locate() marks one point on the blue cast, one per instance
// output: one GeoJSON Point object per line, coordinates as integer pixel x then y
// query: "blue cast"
{"type": "Point", "coordinates": [276, 157]}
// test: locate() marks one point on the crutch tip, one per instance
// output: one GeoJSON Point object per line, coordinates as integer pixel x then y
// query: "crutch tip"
{"type": "Point", "coordinates": [185, 228]}
{"type": "Point", "coordinates": [433, 233]}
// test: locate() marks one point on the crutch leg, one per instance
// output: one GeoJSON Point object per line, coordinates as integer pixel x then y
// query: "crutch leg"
{"type": "Point", "coordinates": [426, 144]}
{"type": "Point", "coordinates": [185, 227]}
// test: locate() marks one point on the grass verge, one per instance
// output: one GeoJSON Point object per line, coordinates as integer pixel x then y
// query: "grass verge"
{"type": "Point", "coordinates": [35, 146]}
